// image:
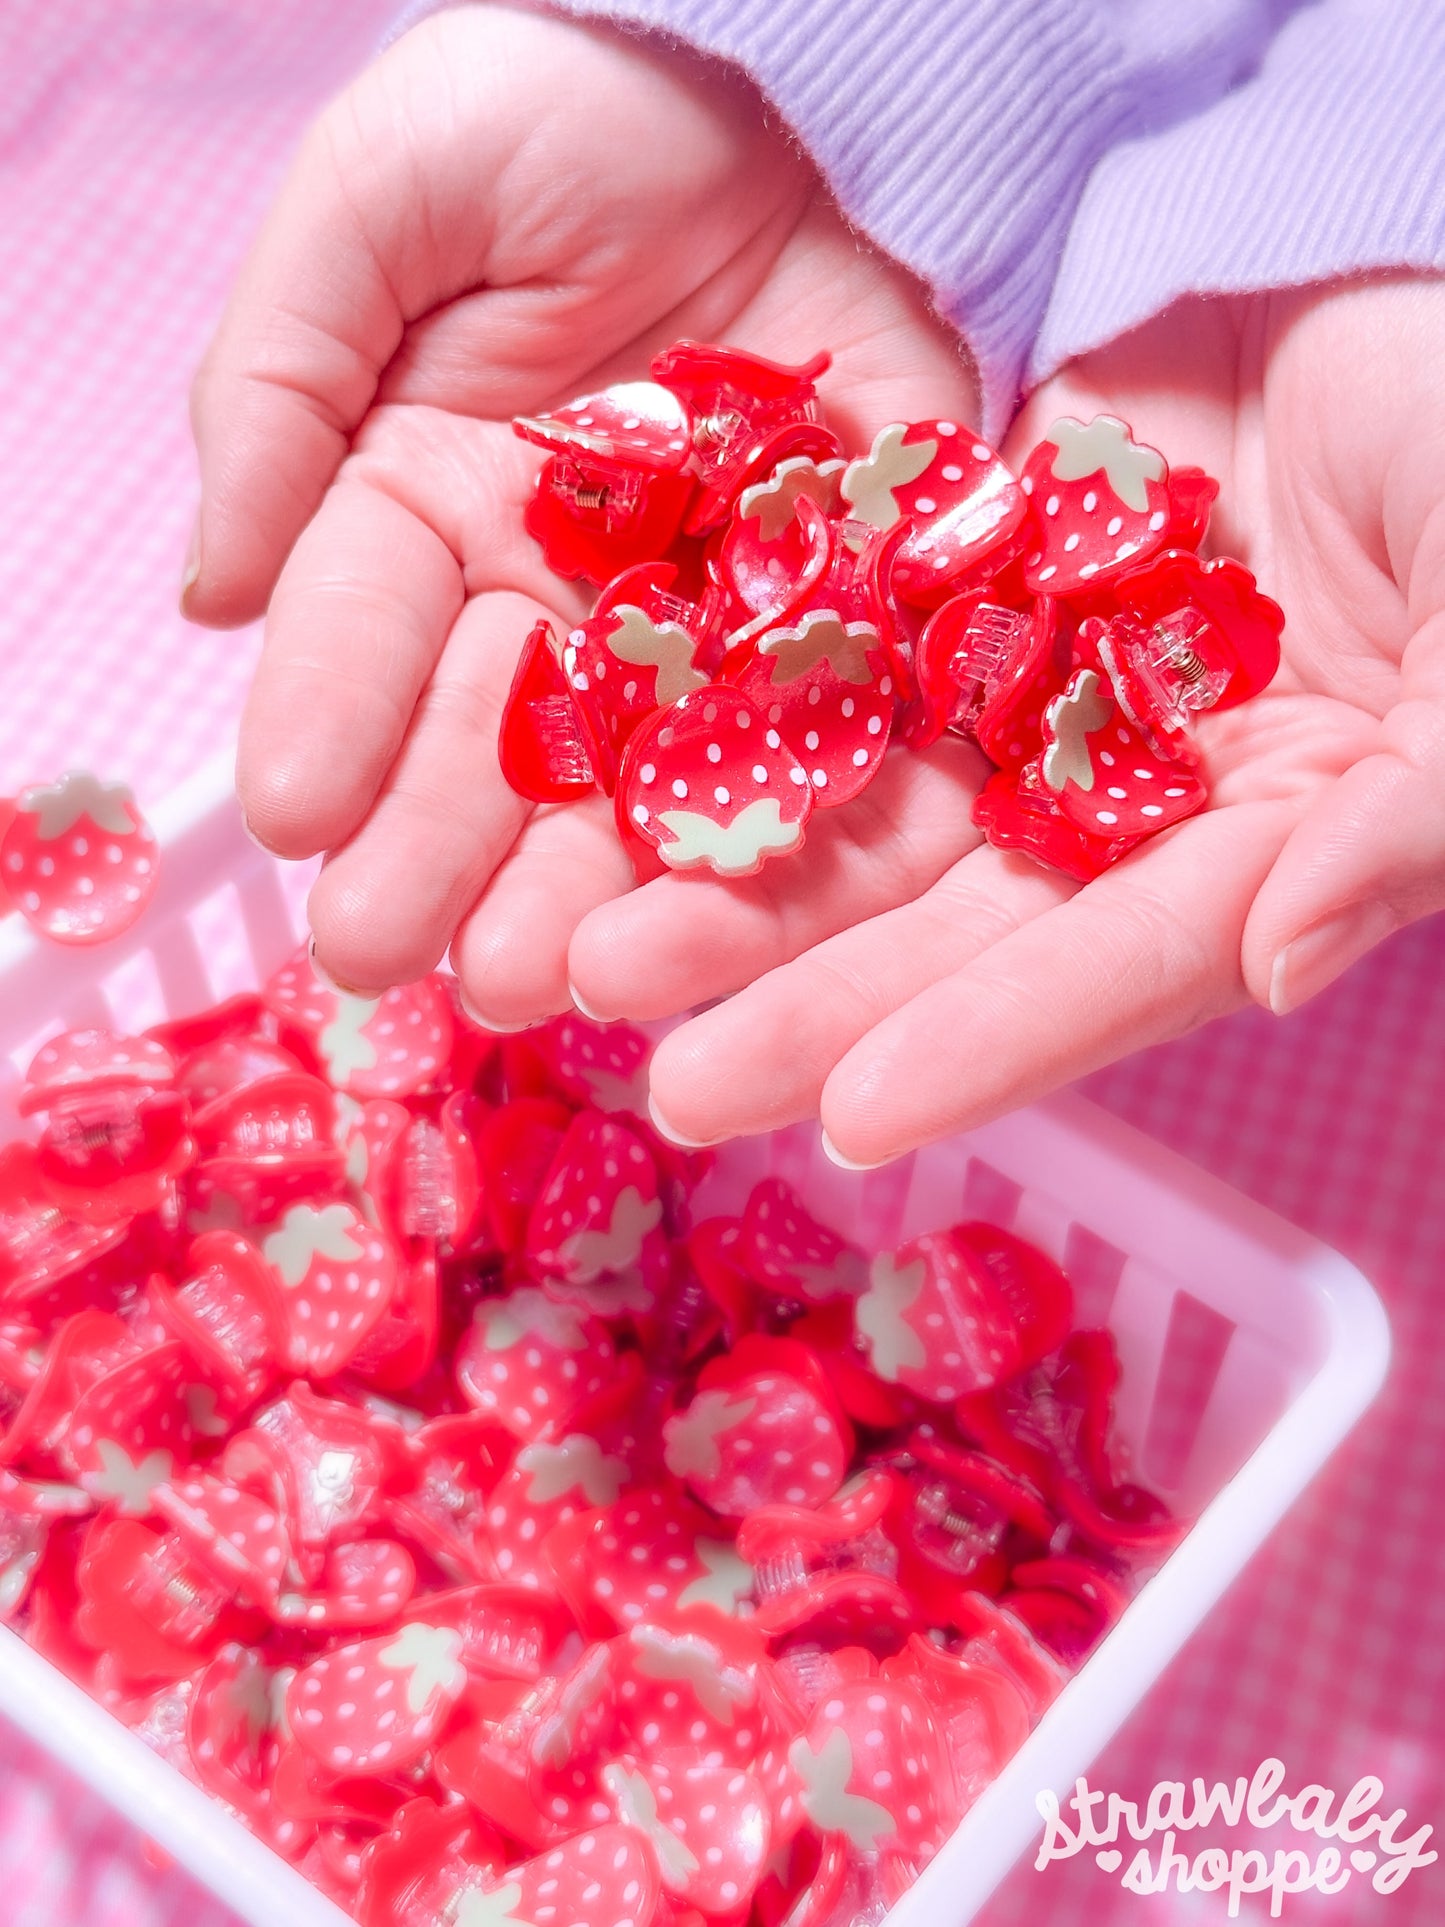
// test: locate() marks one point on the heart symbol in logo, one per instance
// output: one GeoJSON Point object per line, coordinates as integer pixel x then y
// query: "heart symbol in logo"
{"type": "Point", "coordinates": [1111, 1859]}
{"type": "Point", "coordinates": [1362, 1860]}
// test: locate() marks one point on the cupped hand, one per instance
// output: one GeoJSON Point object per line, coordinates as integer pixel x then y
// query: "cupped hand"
{"type": "Point", "coordinates": [1323, 415]}
{"type": "Point", "coordinates": [506, 210]}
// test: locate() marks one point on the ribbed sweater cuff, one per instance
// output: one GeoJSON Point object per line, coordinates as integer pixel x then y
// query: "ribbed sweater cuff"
{"type": "Point", "coordinates": [1329, 161]}
{"type": "Point", "coordinates": [957, 137]}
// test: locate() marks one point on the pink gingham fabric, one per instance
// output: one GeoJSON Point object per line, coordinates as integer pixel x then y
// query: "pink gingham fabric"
{"type": "Point", "coordinates": [139, 142]}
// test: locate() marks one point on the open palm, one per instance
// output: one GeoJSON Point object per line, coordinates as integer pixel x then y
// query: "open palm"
{"type": "Point", "coordinates": [1322, 414]}
{"type": "Point", "coordinates": [503, 211]}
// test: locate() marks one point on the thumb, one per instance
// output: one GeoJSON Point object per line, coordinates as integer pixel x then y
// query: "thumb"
{"type": "Point", "coordinates": [393, 207]}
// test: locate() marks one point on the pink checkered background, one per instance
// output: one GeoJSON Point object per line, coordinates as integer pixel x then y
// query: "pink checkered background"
{"type": "Point", "coordinates": [139, 142]}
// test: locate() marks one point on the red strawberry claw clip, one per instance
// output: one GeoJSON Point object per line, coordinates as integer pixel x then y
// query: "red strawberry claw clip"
{"type": "Point", "coordinates": [336, 1276]}
{"type": "Point", "coordinates": [1190, 636]}
{"type": "Point", "coordinates": [78, 859]}
{"type": "Point", "coordinates": [830, 1573]}
{"type": "Point", "coordinates": [230, 1728]}
{"type": "Point", "coordinates": [1053, 1423]}
{"type": "Point", "coordinates": [980, 1713]}
{"type": "Point", "coordinates": [595, 1233]}
{"type": "Point", "coordinates": [709, 783]}
{"type": "Point", "coordinates": [872, 1769]}
{"type": "Point", "coordinates": [962, 505]}
{"type": "Point", "coordinates": [533, 1771]}
{"type": "Point", "coordinates": [86, 1063]}
{"type": "Point", "coordinates": [455, 1461]}
{"type": "Point", "coordinates": [1068, 1603]}
{"type": "Point", "coordinates": [609, 1563]}
{"type": "Point", "coordinates": [364, 1583]}
{"type": "Point", "coordinates": [708, 1826]}
{"type": "Point", "coordinates": [1108, 778]}
{"type": "Point", "coordinates": [614, 492]}
{"type": "Point", "coordinates": [1100, 505]}
{"type": "Point", "coordinates": [239, 1539]}
{"type": "Point", "coordinates": [82, 1350]}
{"type": "Point", "coordinates": [543, 747]}
{"type": "Point", "coordinates": [326, 1465]}
{"type": "Point", "coordinates": [1015, 813]}
{"type": "Point", "coordinates": [130, 1428]}
{"type": "Point", "coordinates": [401, 1348]}
{"type": "Point", "coordinates": [268, 1144]}
{"type": "Point", "coordinates": [228, 1315]}
{"type": "Point", "coordinates": [956, 1520]}
{"type": "Point", "coordinates": [763, 1427]}
{"type": "Point", "coordinates": [600, 1065]}
{"type": "Point", "coordinates": [935, 1321]}
{"type": "Point", "coordinates": [736, 402]}
{"type": "Point", "coordinates": [823, 683]}
{"type": "Point", "coordinates": [605, 1874]}
{"type": "Point", "coordinates": [517, 1146]}
{"type": "Point", "coordinates": [412, 1875]}
{"type": "Point", "coordinates": [969, 648]}
{"type": "Point", "coordinates": [41, 1243]}
{"type": "Point", "coordinates": [23, 1538]}
{"type": "Point", "coordinates": [642, 647]}
{"type": "Point", "coordinates": [394, 1045]}
{"type": "Point", "coordinates": [117, 1156]}
{"type": "Point", "coordinates": [376, 1705]}
{"type": "Point", "coordinates": [149, 1605]}
{"type": "Point", "coordinates": [528, 1362]}
{"type": "Point", "coordinates": [788, 1252]}
{"type": "Point", "coordinates": [991, 1636]}
{"type": "Point", "coordinates": [549, 1482]}
{"type": "Point", "coordinates": [508, 1632]}
{"type": "Point", "coordinates": [771, 573]}
{"type": "Point", "coordinates": [1008, 675]}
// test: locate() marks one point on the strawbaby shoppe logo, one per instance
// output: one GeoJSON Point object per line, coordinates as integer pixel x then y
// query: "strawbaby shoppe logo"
{"type": "Point", "coordinates": [1350, 1838]}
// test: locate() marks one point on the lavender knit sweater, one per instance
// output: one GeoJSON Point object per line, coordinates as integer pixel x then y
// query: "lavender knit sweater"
{"type": "Point", "coordinates": [1060, 170]}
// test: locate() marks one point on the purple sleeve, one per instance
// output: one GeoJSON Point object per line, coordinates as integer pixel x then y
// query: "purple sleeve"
{"type": "Point", "coordinates": [1330, 160]}
{"type": "Point", "coordinates": [1058, 170]}
{"type": "Point", "coordinates": [959, 134]}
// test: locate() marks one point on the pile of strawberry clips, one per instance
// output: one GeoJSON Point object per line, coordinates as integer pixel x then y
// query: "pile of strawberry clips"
{"type": "Point", "coordinates": [389, 1440]}
{"type": "Point", "coordinates": [772, 616]}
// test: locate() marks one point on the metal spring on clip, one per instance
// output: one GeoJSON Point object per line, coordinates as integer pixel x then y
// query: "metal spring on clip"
{"type": "Point", "coordinates": [710, 431]}
{"type": "Point", "coordinates": [933, 1505]}
{"type": "Point", "coordinates": [1188, 661]}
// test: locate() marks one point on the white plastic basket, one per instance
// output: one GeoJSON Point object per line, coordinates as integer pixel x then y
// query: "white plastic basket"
{"type": "Point", "coordinates": [1294, 1346]}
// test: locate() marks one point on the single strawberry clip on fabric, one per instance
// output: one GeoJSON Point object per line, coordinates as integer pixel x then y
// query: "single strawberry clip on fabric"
{"type": "Point", "coordinates": [77, 859]}
{"type": "Point", "coordinates": [1061, 619]}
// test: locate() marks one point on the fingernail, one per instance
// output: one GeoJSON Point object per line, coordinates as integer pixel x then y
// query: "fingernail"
{"type": "Point", "coordinates": [325, 977]}
{"type": "Point", "coordinates": [1314, 960]}
{"type": "Point", "coordinates": [586, 1009]}
{"type": "Point", "coordinates": [252, 836]}
{"type": "Point", "coordinates": [831, 1151]}
{"type": "Point", "coordinates": [493, 1024]}
{"type": "Point", "coordinates": [191, 573]}
{"type": "Point", "coordinates": [671, 1132]}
